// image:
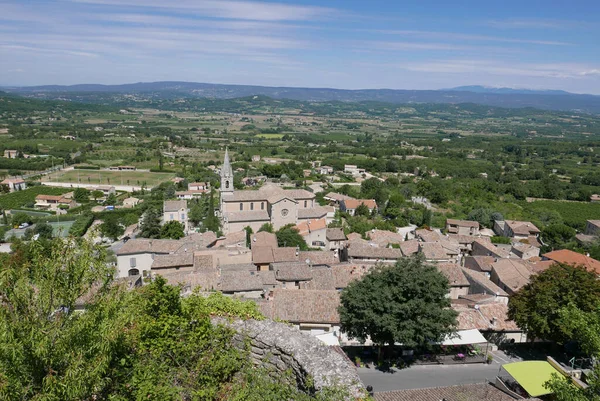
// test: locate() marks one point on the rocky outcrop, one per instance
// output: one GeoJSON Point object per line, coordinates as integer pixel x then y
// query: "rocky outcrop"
{"type": "Point", "coordinates": [281, 349]}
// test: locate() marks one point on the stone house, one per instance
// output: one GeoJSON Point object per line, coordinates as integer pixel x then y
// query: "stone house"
{"type": "Point", "coordinates": [516, 229]}
{"type": "Point", "coordinates": [358, 252]}
{"type": "Point", "coordinates": [510, 274]}
{"type": "Point", "coordinates": [459, 285]}
{"type": "Point", "coordinates": [349, 205]}
{"type": "Point", "coordinates": [462, 227]}
{"type": "Point", "coordinates": [291, 274]}
{"type": "Point", "coordinates": [131, 202]}
{"type": "Point", "coordinates": [136, 256]}
{"type": "Point", "coordinates": [525, 251]}
{"type": "Point", "coordinates": [491, 319]}
{"type": "Point", "coordinates": [314, 311]}
{"type": "Point", "coordinates": [336, 239]}
{"type": "Point", "coordinates": [14, 184]}
{"type": "Point", "coordinates": [479, 283]}
{"type": "Point", "coordinates": [199, 186]}
{"type": "Point", "coordinates": [325, 170]}
{"type": "Point", "coordinates": [592, 227]}
{"type": "Point", "coordinates": [11, 154]}
{"type": "Point", "coordinates": [334, 198]}
{"type": "Point", "coordinates": [176, 211]}
{"type": "Point", "coordinates": [314, 232]}
{"type": "Point", "coordinates": [483, 247]}
{"type": "Point", "coordinates": [54, 202]}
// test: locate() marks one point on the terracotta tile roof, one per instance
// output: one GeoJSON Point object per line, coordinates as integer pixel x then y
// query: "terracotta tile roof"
{"type": "Point", "coordinates": [203, 262]}
{"type": "Point", "coordinates": [384, 237]}
{"type": "Point", "coordinates": [268, 278]}
{"type": "Point", "coordinates": [480, 280]}
{"type": "Point", "coordinates": [286, 254]}
{"type": "Point", "coordinates": [13, 181]}
{"type": "Point", "coordinates": [539, 266]}
{"type": "Point", "coordinates": [335, 234]}
{"type": "Point", "coordinates": [262, 254]}
{"type": "Point", "coordinates": [250, 215]}
{"type": "Point", "coordinates": [454, 274]}
{"type": "Point", "coordinates": [235, 238]}
{"type": "Point", "coordinates": [409, 247]}
{"type": "Point", "coordinates": [461, 239]}
{"type": "Point", "coordinates": [437, 250]}
{"type": "Point", "coordinates": [337, 197]}
{"type": "Point", "coordinates": [206, 280]}
{"type": "Point", "coordinates": [306, 227]}
{"type": "Point", "coordinates": [354, 236]}
{"type": "Point", "coordinates": [463, 392]}
{"type": "Point", "coordinates": [303, 306]}
{"type": "Point", "coordinates": [573, 258]}
{"type": "Point", "coordinates": [56, 198]}
{"type": "Point", "coordinates": [237, 267]}
{"type": "Point", "coordinates": [484, 263]}
{"type": "Point", "coordinates": [291, 271]}
{"type": "Point", "coordinates": [264, 238]}
{"type": "Point", "coordinates": [173, 261]}
{"type": "Point", "coordinates": [316, 212]}
{"type": "Point", "coordinates": [149, 246]}
{"type": "Point", "coordinates": [344, 274]}
{"type": "Point", "coordinates": [490, 248]}
{"type": "Point", "coordinates": [174, 206]}
{"type": "Point", "coordinates": [428, 235]}
{"type": "Point", "coordinates": [513, 273]}
{"type": "Point", "coordinates": [493, 316]}
{"type": "Point", "coordinates": [372, 252]}
{"type": "Point", "coordinates": [354, 203]}
{"type": "Point", "coordinates": [240, 281]}
{"type": "Point", "coordinates": [462, 223]}
{"type": "Point", "coordinates": [322, 279]}
{"type": "Point", "coordinates": [319, 258]}
{"type": "Point", "coordinates": [522, 227]}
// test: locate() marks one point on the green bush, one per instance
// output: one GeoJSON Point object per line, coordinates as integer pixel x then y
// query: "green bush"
{"type": "Point", "coordinates": [81, 225]}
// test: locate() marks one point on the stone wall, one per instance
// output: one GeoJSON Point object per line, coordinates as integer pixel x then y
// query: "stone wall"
{"type": "Point", "coordinates": [281, 348]}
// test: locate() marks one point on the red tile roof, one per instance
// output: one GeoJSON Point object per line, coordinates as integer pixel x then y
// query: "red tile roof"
{"type": "Point", "coordinates": [573, 258]}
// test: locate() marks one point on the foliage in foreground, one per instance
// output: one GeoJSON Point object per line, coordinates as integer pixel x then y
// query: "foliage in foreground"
{"type": "Point", "coordinates": [405, 303]}
{"type": "Point", "coordinates": [147, 343]}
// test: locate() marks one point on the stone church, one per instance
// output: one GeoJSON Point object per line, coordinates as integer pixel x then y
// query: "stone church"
{"type": "Point", "coordinates": [269, 204]}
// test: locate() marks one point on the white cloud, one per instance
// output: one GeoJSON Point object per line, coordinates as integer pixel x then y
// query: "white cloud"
{"type": "Point", "coordinates": [462, 36]}
{"type": "Point", "coordinates": [244, 10]}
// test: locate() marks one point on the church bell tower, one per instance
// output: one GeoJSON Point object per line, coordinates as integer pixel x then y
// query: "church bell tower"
{"type": "Point", "coordinates": [226, 176]}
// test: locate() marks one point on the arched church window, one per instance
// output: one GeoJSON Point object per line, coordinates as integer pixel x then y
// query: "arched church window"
{"type": "Point", "coordinates": [226, 184]}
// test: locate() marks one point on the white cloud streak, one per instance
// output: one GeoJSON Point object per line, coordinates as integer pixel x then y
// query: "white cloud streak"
{"type": "Point", "coordinates": [243, 10]}
{"type": "Point", "coordinates": [468, 37]}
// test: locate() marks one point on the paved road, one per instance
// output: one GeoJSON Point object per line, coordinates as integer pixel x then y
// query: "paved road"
{"type": "Point", "coordinates": [428, 376]}
{"type": "Point", "coordinates": [433, 375]}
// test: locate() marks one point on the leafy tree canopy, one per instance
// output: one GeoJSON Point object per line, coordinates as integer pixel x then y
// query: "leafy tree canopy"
{"type": "Point", "coordinates": [289, 236]}
{"type": "Point", "coordinates": [404, 303]}
{"type": "Point", "coordinates": [537, 306]}
{"type": "Point", "coordinates": [172, 230]}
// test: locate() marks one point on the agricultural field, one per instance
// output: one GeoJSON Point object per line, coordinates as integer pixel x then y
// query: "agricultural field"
{"type": "Point", "coordinates": [573, 214]}
{"type": "Point", "coordinates": [26, 198]}
{"type": "Point", "coordinates": [104, 177]}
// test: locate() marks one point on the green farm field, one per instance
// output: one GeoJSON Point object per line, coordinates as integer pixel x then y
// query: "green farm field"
{"type": "Point", "coordinates": [113, 177]}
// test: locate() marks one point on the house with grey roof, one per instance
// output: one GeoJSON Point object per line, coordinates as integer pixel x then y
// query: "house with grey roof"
{"type": "Point", "coordinates": [176, 211]}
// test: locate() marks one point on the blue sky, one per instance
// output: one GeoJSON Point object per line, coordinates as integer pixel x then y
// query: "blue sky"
{"type": "Point", "coordinates": [401, 44]}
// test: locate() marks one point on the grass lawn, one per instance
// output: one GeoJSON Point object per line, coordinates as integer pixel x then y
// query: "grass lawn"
{"type": "Point", "coordinates": [270, 136]}
{"type": "Point", "coordinates": [113, 177]}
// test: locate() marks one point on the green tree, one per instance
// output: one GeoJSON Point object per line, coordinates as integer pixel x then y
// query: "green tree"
{"type": "Point", "coordinates": [537, 306]}
{"type": "Point", "coordinates": [111, 200]}
{"type": "Point", "coordinates": [249, 233]}
{"type": "Point", "coordinates": [81, 195]}
{"type": "Point", "coordinates": [150, 225]}
{"type": "Point", "coordinates": [362, 210]}
{"type": "Point", "coordinates": [405, 303]}
{"type": "Point", "coordinates": [43, 229]}
{"type": "Point", "coordinates": [21, 218]}
{"type": "Point", "coordinates": [97, 194]}
{"type": "Point", "coordinates": [555, 236]}
{"type": "Point", "coordinates": [267, 227]}
{"type": "Point", "coordinates": [289, 236]}
{"type": "Point", "coordinates": [172, 230]}
{"type": "Point", "coordinates": [111, 228]}
{"type": "Point", "coordinates": [196, 214]}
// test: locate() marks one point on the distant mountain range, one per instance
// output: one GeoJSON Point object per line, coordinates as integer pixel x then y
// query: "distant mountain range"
{"type": "Point", "coordinates": [500, 97]}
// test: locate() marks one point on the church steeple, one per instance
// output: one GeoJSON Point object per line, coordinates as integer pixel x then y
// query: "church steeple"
{"type": "Point", "coordinates": [226, 175]}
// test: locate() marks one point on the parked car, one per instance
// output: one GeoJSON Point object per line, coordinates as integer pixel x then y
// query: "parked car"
{"type": "Point", "coordinates": [24, 225]}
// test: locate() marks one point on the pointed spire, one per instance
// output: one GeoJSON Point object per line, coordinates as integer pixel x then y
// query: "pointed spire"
{"type": "Point", "coordinates": [226, 170]}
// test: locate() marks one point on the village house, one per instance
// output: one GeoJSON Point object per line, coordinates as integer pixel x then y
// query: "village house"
{"type": "Point", "coordinates": [336, 239]}
{"type": "Point", "coordinates": [458, 283]}
{"type": "Point", "coordinates": [313, 311]}
{"type": "Point", "coordinates": [479, 263]}
{"type": "Point", "coordinates": [462, 227]}
{"type": "Point", "coordinates": [324, 170]}
{"type": "Point", "coordinates": [510, 274]}
{"type": "Point", "coordinates": [199, 186]}
{"type": "Point", "coordinates": [354, 170]}
{"type": "Point", "coordinates": [131, 202]}
{"type": "Point", "coordinates": [516, 229]}
{"type": "Point", "coordinates": [14, 184]}
{"type": "Point", "coordinates": [334, 198]}
{"type": "Point", "coordinates": [525, 251]}
{"type": "Point", "coordinates": [269, 204]}
{"type": "Point", "coordinates": [592, 227]}
{"type": "Point", "coordinates": [105, 189]}
{"type": "Point", "coordinates": [350, 205]}
{"type": "Point", "coordinates": [314, 232]}
{"type": "Point", "coordinates": [480, 284]}
{"type": "Point", "coordinates": [54, 202]}
{"type": "Point", "coordinates": [136, 256]}
{"type": "Point", "coordinates": [358, 253]}
{"type": "Point", "coordinates": [11, 154]}
{"type": "Point", "coordinates": [572, 258]}
{"type": "Point", "coordinates": [440, 252]}
{"type": "Point", "coordinates": [483, 247]}
{"type": "Point", "coordinates": [491, 319]}
{"type": "Point", "coordinates": [176, 211]}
